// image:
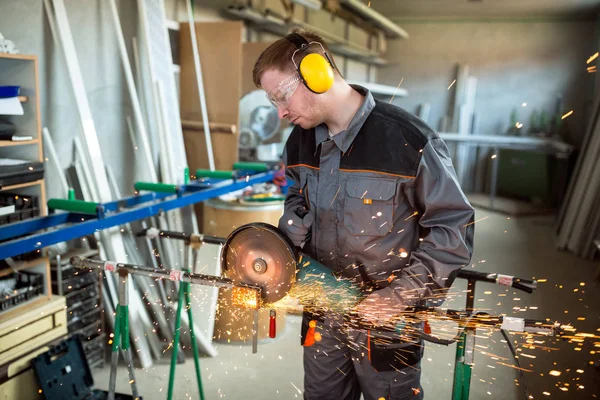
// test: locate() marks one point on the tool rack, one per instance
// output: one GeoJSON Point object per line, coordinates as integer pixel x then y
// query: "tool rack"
{"type": "Point", "coordinates": [83, 293]}
{"type": "Point", "coordinates": [84, 218]}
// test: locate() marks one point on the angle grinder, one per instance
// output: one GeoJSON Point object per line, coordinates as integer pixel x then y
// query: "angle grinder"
{"type": "Point", "coordinates": [262, 255]}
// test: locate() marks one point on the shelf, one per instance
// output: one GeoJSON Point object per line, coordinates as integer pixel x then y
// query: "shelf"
{"type": "Point", "coordinates": [371, 16]}
{"type": "Point", "coordinates": [270, 22]}
{"type": "Point", "coordinates": [9, 143]}
{"type": "Point", "coordinates": [22, 185]}
{"type": "Point", "coordinates": [24, 57]}
{"type": "Point", "coordinates": [23, 265]}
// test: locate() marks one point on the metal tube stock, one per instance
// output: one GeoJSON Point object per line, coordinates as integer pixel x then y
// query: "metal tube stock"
{"type": "Point", "coordinates": [196, 279]}
{"type": "Point", "coordinates": [192, 237]}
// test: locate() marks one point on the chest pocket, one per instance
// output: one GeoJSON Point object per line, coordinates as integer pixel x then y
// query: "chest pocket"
{"type": "Point", "coordinates": [369, 206]}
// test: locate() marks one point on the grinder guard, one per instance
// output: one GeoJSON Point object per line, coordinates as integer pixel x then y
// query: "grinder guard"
{"type": "Point", "coordinates": [261, 254]}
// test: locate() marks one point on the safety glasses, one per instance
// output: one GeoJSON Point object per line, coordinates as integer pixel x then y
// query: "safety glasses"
{"type": "Point", "coordinates": [280, 96]}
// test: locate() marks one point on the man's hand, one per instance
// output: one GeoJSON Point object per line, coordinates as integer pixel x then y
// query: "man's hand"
{"type": "Point", "coordinates": [379, 309]}
{"type": "Point", "coordinates": [296, 227]}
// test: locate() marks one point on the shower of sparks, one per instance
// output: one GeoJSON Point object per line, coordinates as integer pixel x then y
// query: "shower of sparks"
{"type": "Point", "coordinates": [474, 222]}
{"type": "Point", "coordinates": [567, 114]}
{"type": "Point", "coordinates": [334, 197]}
{"type": "Point", "coordinates": [319, 295]}
{"type": "Point", "coordinates": [412, 215]}
{"type": "Point", "coordinates": [296, 387]}
{"type": "Point", "coordinates": [398, 87]}
{"type": "Point", "coordinates": [514, 367]}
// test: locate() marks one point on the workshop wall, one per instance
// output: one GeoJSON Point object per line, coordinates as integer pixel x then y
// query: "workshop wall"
{"type": "Point", "coordinates": [25, 23]}
{"type": "Point", "coordinates": [322, 19]}
{"type": "Point", "coordinates": [515, 62]}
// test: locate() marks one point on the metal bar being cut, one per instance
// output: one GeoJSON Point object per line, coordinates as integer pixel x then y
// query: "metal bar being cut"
{"type": "Point", "coordinates": [181, 276]}
{"type": "Point", "coordinates": [176, 275]}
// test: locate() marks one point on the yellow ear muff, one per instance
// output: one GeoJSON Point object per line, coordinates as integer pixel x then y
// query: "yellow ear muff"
{"type": "Point", "coordinates": [317, 72]}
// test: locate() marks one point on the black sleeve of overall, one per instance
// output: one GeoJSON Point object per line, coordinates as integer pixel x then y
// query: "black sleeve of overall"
{"type": "Point", "coordinates": [294, 197]}
{"type": "Point", "coordinates": [447, 217]}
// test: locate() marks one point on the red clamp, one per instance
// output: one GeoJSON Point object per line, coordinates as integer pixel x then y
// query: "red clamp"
{"type": "Point", "coordinates": [272, 324]}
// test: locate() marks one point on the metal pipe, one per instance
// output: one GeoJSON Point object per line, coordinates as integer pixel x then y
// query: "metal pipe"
{"type": "Point", "coordinates": [196, 279]}
{"type": "Point", "coordinates": [200, 82]}
{"type": "Point", "coordinates": [135, 101]}
{"type": "Point", "coordinates": [312, 4]}
{"type": "Point", "coordinates": [53, 158]}
{"type": "Point", "coordinates": [214, 126]}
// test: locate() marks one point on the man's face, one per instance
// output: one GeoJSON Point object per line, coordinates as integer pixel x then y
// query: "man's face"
{"type": "Point", "coordinates": [293, 100]}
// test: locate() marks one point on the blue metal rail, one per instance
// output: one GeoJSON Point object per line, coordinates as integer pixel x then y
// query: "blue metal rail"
{"type": "Point", "coordinates": [22, 237]}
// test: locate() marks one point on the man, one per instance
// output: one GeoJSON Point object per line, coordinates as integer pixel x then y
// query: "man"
{"type": "Point", "coordinates": [375, 199]}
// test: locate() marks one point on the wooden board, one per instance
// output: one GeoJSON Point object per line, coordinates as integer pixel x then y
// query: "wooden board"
{"type": "Point", "coordinates": [23, 387]}
{"type": "Point", "coordinates": [32, 304]}
{"type": "Point", "coordinates": [38, 301]}
{"type": "Point", "coordinates": [27, 332]}
{"type": "Point", "coordinates": [224, 149]}
{"type": "Point", "coordinates": [22, 265]}
{"type": "Point", "coordinates": [221, 62]}
{"type": "Point", "coordinates": [17, 378]}
{"type": "Point", "coordinates": [15, 367]}
{"type": "Point", "coordinates": [23, 348]}
{"type": "Point", "coordinates": [250, 53]}
{"type": "Point", "coordinates": [25, 317]}
{"type": "Point", "coordinates": [32, 329]}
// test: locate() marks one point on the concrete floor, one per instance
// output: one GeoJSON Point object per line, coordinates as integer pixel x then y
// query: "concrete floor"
{"type": "Point", "coordinates": [517, 246]}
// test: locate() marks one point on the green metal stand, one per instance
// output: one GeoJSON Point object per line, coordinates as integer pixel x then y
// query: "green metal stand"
{"type": "Point", "coordinates": [184, 295]}
{"type": "Point", "coordinates": [121, 340]}
{"type": "Point", "coordinates": [462, 372]}
{"type": "Point", "coordinates": [465, 352]}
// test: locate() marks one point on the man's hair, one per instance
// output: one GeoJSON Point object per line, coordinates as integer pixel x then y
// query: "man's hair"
{"type": "Point", "coordinates": [279, 54]}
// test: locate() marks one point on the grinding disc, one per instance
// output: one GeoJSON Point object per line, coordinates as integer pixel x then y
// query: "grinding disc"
{"type": "Point", "coordinates": [260, 254]}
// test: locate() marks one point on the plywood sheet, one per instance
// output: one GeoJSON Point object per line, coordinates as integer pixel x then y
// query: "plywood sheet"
{"type": "Point", "coordinates": [221, 63]}
{"type": "Point", "coordinates": [250, 53]}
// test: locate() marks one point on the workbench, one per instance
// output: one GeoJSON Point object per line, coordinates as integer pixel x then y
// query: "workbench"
{"type": "Point", "coordinates": [551, 146]}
